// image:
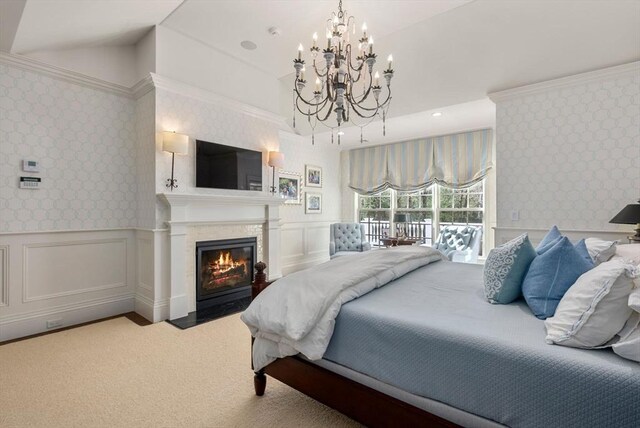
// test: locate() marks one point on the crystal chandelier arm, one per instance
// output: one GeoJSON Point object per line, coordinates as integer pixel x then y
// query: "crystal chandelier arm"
{"type": "Point", "coordinates": [348, 51]}
{"type": "Point", "coordinates": [300, 97]}
{"type": "Point", "coordinates": [319, 73]}
{"type": "Point", "coordinates": [373, 109]}
{"type": "Point", "coordinates": [318, 108]}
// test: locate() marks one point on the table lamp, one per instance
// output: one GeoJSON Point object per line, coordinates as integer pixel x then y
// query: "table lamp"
{"type": "Point", "coordinates": [404, 219]}
{"type": "Point", "coordinates": [629, 215]}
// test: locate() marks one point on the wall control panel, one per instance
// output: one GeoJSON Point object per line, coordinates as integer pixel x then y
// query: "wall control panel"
{"type": "Point", "coordinates": [30, 182]}
{"type": "Point", "coordinates": [30, 166]}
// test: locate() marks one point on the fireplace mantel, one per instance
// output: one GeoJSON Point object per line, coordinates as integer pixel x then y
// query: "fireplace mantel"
{"type": "Point", "coordinates": [187, 210]}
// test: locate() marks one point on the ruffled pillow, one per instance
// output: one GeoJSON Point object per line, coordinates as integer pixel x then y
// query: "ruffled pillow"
{"type": "Point", "coordinates": [595, 308]}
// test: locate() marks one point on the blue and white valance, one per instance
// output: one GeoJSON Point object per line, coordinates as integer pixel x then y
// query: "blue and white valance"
{"type": "Point", "coordinates": [458, 160]}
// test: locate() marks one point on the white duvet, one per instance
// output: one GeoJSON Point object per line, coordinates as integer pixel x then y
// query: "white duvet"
{"type": "Point", "coordinates": [296, 314]}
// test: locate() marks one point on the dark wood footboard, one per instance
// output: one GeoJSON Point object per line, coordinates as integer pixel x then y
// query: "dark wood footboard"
{"type": "Point", "coordinates": [361, 403]}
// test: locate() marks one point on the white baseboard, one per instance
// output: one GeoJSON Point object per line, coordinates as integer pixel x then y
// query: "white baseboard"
{"type": "Point", "coordinates": [152, 311]}
{"type": "Point", "coordinates": [26, 324]}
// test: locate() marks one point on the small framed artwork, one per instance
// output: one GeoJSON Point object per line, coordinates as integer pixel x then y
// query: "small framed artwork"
{"type": "Point", "coordinates": [290, 187]}
{"type": "Point", "coordinates": [313, 176]}
{"type": "Point", "coordinates": [313, 203]}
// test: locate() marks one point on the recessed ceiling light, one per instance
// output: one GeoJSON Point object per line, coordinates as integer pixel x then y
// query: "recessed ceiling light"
{"type": "Point", "coordinates": [436, 114]}
{"type": "Point", "coordinates": [248, 45]}
{"type": "Point", "coordinates": [341, 133]}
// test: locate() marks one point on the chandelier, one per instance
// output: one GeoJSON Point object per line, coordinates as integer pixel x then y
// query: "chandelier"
{"type": "Point", "coordinates": [346, 89]}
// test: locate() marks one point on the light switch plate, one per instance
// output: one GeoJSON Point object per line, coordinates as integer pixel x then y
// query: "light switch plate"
{"type": "Point", "coordinates": [515, 215]}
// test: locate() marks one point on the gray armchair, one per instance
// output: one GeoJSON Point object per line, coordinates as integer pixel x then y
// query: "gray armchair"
{"type": "Point", "coordinates": [460, 243]}
{"type": "Point", "coordinates": [346, 239]}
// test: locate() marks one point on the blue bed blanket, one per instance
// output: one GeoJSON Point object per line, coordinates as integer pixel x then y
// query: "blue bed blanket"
{"type": "Point", "coordinates": [433, 334]}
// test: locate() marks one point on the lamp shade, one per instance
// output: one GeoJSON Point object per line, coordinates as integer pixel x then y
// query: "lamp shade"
{"type": "Point", "coordinates": [629, 215]}
{"type": "Point", "coordinates": [401, 218]}
{"type": "Point", "coordinates": [276, 159]}
{"type": "Point", "coordinates": [175, 143]}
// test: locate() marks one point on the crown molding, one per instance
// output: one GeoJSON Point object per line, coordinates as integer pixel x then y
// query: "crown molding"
{"type": "Point", "coordinates": [563, 82]}
{"type": "Point", "coordinates": [142, 88]}
{"type": "Point", "coordinates": [63, 74]}
{"type": "Point", "coordinates": [184, 89]}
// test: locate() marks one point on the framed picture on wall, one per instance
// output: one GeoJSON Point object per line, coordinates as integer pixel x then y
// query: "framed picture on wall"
{"type": "Point", "coordinates": [290, 187]}
{"type": "Point", "coordinates": [313, 176]}
{"type": "Point", "coordinates": [313, 203]}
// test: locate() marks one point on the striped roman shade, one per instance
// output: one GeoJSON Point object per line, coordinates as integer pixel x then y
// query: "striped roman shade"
{"type": "Point", "coordinates": [458, 160]}
{"type": "Point", "coordinates": [410, 165]}
{"type": "Point", "coordinates": [368, 170]}
{"type": "Point", "coordinates": [462, 160]}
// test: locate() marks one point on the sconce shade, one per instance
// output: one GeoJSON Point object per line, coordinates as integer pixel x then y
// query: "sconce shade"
{"type": "Point", "coordinates": [401, 218]}
{"type": "Point", "coordinates": [276, 159]}
{"type": "Point", "coordinates": [629, 215]}
{"type": "Point", "coordinates": [175, 143]}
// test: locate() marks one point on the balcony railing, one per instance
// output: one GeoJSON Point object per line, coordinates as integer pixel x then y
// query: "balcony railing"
{"type": "Point", "coordinates": [378, 229]}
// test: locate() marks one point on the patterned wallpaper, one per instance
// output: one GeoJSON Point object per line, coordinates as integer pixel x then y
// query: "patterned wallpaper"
{"type": "Point", "coordinates": [569, 156]}
{"type": "Point", "coordinates": [146, 160]}
{"type": "Point", "coordinates": [84, 140]}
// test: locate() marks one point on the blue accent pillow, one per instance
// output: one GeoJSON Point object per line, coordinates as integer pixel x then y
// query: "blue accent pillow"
{"type": "Point", "coordinates": [552, 235]}
{"type": "Point", "coordinates": [550, 276]}
{"type": "Point", "coordinates": [505, 268]}
{"type": "Point", "coordinates": [541, 249]}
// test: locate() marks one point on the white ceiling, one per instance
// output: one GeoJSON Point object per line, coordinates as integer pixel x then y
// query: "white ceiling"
{"type": "Point", "coordinates": [224, 24]}
{"type": "Point", "coordinates": [446, 52]}
{"type": "Point", "coordinates": [68, 24]}
{"type": "Point", "coordinates": [478, 114]}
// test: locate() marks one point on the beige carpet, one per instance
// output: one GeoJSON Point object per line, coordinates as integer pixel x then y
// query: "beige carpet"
{"type": "Point", "coordinates": [118, 374]}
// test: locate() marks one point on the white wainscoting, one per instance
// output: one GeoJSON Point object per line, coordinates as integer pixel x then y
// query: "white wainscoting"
{"type": "Point", "coordinates": [304, 244]}
{"type": "Point", "coordinates": [4, 275]}
{"type": "Point", "coordinates": [149, 301]}
{"type": "Point", "coordinates": [65, 277]}
{"type": "Point", "coordinates": [505, 234]}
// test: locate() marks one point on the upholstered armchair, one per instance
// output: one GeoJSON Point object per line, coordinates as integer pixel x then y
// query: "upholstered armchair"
{"type": "Point", "coordinates": [460, 243]}
{"type": "Point", "coordinates": [346, 239]}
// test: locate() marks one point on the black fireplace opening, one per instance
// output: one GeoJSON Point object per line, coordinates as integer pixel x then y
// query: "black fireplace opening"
{"type": "Point", "coordinates": [224, 271]}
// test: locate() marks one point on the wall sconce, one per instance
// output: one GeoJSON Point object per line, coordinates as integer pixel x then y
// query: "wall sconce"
{"type": "Point", "coordinates": [174, 143]}
{"type": "Point", "coordinates": [276, 160]}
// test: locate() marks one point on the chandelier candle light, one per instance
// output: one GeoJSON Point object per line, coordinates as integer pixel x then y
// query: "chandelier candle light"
{"type": "Point", "coordinates": [345, 86]}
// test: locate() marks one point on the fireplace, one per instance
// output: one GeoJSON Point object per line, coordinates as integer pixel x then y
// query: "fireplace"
{"type": "Point", "coordinates": [224, 271]}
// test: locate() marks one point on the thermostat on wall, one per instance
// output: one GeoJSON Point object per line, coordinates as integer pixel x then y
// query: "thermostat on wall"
{"type": "Point", "coordinates": [30, 182]}
{"type": "Point", "coordinates": [30, 166]}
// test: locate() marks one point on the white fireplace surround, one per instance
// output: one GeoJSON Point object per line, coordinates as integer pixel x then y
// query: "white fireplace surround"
{"type": "Point", "coordinates": [186, 210]}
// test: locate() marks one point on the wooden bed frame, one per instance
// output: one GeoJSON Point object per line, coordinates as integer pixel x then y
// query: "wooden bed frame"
{"type": "Point", "coordinates": [362, 403]}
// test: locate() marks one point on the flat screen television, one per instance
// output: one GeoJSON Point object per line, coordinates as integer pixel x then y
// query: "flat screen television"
{"type": "Point", "coordinates": [226, 167]}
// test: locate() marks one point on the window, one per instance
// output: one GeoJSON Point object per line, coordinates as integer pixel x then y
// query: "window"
{"type": "Point", "coordinates": [428, 210]}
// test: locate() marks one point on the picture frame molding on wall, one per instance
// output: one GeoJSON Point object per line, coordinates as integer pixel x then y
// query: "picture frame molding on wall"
{"type": "Point", "coordinates": [310, 174]}
{"type": "Point", "coordinates": [309, 207]}
{"type": "Point", "coordinates": [292, 176]}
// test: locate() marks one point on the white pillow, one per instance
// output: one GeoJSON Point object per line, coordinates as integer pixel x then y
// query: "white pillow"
{"type": "Point", "coordinates": [595, 308]}
{"type": "Point", "coordinates": [629, 344]}
{"type": "Point", "coordinates": [599, 250]}
{"type": "Point", "coordinates": [629, 252]}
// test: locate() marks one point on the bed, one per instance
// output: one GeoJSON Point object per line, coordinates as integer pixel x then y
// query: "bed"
{"type": "Point", "coordinates": [426, 349]}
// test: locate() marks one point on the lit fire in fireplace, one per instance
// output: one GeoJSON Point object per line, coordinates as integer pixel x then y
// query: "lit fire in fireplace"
{"type": "Point", "coordinates": [222, 269]}
{"type": "Point", "coordinates": [224, 263]}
